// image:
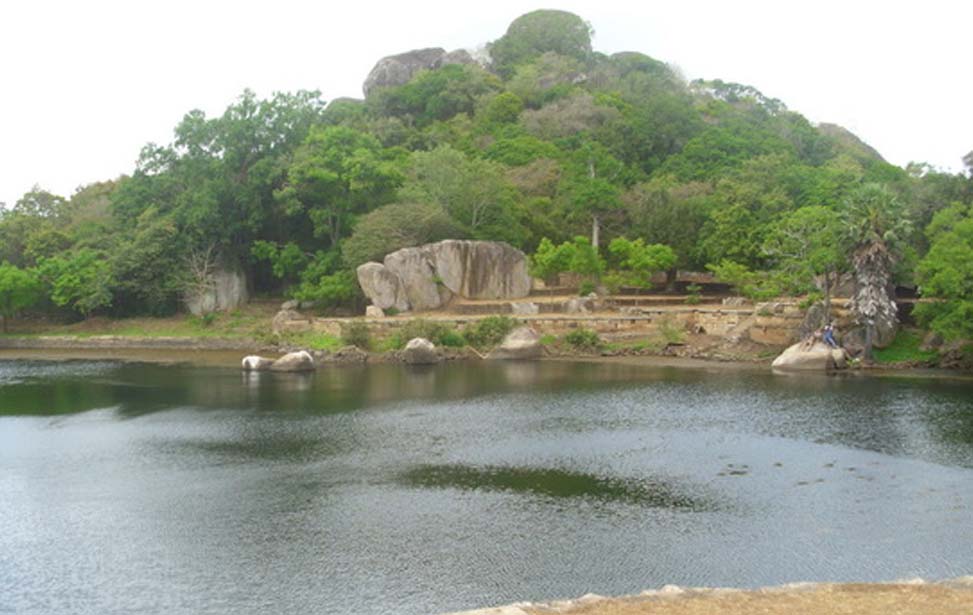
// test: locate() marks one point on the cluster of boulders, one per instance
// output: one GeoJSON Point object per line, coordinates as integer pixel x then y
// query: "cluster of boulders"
{"type": "Point", "coordinates": [521, 343]}
{"type": "Point", "coordinates": [300, 361]}
{"type": "Point", "coordinates": [427, 277]}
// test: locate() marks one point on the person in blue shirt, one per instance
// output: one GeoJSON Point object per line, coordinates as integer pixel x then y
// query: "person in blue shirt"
{"type": "Point", "coordinates": [828, 336]}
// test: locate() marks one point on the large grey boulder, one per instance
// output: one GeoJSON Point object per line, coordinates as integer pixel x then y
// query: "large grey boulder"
{"type": "Point", "coordinates": [481, 269]}
{"type": "Point", "coordinates": [418, 277]}
{"type": "Point", "coordinates": [427, 277]}
{"type": "Point", "coordinates": [816, 356]}
{"type": "Point", "coordinates": [521, 343]}
{"type": "Point", "coordinates": [382, 286]}
{"type": "Point", "coordinates": [420, 351]}
{"type": "Point", "coordinates": [300, 361]}
{"type": "Point", "coordinates": [223, 289]}
{"type": "Point", "coordinates": [399, 69]}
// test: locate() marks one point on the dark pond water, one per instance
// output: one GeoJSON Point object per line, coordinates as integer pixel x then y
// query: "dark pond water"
{"type": "Point", "coordinates": [387, 490]}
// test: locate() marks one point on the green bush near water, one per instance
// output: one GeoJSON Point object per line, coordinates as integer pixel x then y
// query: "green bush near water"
{"type": "Point", "coordinates": [584, 340]}
{"type": "Point", "coordinates": [438, 333]}
{"type": "Point", "coordinates": [905, 347]}
{"type": "Point", "coordinates": [356, 334]}
{"type": "Point", "coordinates": [489, 332]}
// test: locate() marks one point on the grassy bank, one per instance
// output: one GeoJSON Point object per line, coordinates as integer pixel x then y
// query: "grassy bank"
{"type": "Point", "coordinates": [251, 322]}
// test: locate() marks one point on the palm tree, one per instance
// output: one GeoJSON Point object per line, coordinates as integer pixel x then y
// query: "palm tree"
{"type": "Point", "coordinates": [873, 225]}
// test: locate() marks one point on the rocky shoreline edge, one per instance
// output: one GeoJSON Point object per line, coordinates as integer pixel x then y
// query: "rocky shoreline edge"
{"type": "Point", "coordinates": [902, 597]}
{"type": "Point", "coordinates": [229, 352]}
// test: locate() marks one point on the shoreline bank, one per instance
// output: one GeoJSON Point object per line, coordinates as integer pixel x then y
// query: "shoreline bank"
{"type": "Point", "coordinates": [224, 352]}
{"type": "Point", "coordinates": [908, 597]}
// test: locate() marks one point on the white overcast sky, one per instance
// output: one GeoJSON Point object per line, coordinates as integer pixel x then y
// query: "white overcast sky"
{"type": "Point", "coordinates": [84, 84]}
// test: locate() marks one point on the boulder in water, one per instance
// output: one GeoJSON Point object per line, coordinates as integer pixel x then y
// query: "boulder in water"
{"type": "Point", "coordinates": [816, 356]}
{"type": "Point", "coordinates": [300, 361]}
{"type": "Point", "coordinates": [253, 363]}
{"type": "Point", "coordinates": [420, 351]}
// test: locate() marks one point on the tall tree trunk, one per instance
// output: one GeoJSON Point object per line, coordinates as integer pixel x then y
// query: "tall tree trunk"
{"type": "Point", "coordinates": [827, 297]}
{"type": "Point", "coordinates": [595, 223]}
{"type": "Point", "coordinates": [869, 340]}
{"type": "Point", "coordinates": [671, 275]}
{"type": "Point", "coordinates": [4, 320]}
{"type": "Point", "coordinates": [873, 305]}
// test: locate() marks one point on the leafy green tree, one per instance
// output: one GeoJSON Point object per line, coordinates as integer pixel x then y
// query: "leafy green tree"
{"type": "Point", "coordinates": [569, 116]}
{"type": "Point", "coordinates": [521, 149]}
{"type": "Point", "coordinates": [286, 261]}
{"type": "Point", "coordinates": [744, 206]}
{"type": "Point", "coordinates": [472, 191]}
{"type": "Point", "coordinates": [576, 256]}
{"type": "Point", "coordinates": [755, 285]}
{"type": "Point", "coordinates": [33, 227]}
{"type": "Point", "coordinates": [945, 274]}
{"type": "Point", "coordinates": [549, 77]}
{"type": "Point", "coordinates": [437, 94]}
{"type": "Point", "coordinates": [19, 290]}
{"type": "Point", "coordinates": [538, 32]}
{"type": "Point", "coordinates": [591, 185]}
{"type": "Point", "coordinates": [80, 280]}
{"type": "Point", "coordinates": [148, 267]}
{"type": "Point", "coordinates": [663, 211]}
{"type": "Point", "coordinates": [932, 191]}
{"type": "Point", "coordinates": [502, 109]}
{"type": "Point", "coordinates": [641, 260]}
{"type": "Point", "coordinates": [807, 243]}
{"type": "Point", "coordinates": [328, 282]}
{"type": "Point", "coordinates": [40, 203]}
{"type": "Point", "coordinates": [550, 260]}
{"type": "Point", "coordinates": [395, 226]}
{"type": "Point", "coordinates": [336, 174]}
{"type": "Point", "coordinates": [218, 178]}
{"type": "Point", "coordinates": [723, 147]}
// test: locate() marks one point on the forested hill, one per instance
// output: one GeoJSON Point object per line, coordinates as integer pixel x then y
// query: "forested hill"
{"type": "Point", "coordinates": [545, 139]}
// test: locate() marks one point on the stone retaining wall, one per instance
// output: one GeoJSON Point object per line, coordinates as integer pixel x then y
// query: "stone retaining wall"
{"type": "Point", "coordinates": [739, 322]}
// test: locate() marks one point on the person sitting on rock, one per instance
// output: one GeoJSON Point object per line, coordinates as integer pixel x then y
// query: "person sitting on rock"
{"type": "Point", "coordinates": [828, 335]}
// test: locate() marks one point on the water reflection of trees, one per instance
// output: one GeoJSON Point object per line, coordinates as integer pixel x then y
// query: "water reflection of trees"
{"type": "Point", "coordinates": [930, 419]}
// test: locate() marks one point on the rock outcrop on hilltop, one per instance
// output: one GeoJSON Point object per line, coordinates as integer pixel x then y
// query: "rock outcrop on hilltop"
{"type": "Point", "coordinates": [399, 69]}
{"type": "Point", "coordinates": [428, 277]}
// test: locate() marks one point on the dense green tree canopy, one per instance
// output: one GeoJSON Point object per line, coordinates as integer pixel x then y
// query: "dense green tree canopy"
{"type": "Point", "coordinates": [946, 274]}
{"type": "Point", "coordinates": [550, 142]}
{"type": "Point", "coordinates": [538, 32]}
{"type": "Point", "coordinates": [19, 289]}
